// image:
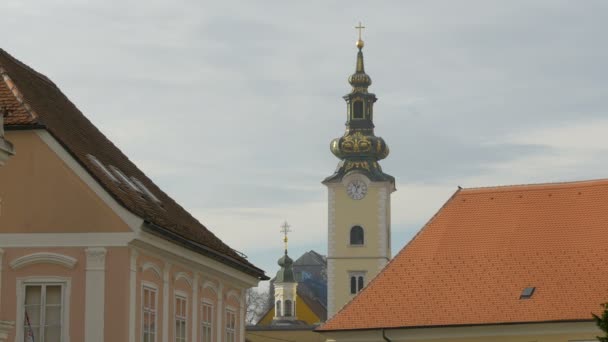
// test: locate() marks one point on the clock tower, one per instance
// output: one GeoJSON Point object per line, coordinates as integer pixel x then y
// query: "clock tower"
{"type": "Point", "coordinates": [358, 197]}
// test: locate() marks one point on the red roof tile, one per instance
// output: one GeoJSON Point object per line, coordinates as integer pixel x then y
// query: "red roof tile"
{"type": "Point", "coordinates": [32, 100]}
{"type": "Point", "coordinates": [470, 263]}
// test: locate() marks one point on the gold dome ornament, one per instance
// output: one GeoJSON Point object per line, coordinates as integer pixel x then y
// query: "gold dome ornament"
{"type": "Point", "coordinates": [360, 44]}
{"type": "Point", "coordinates": [359, 149]}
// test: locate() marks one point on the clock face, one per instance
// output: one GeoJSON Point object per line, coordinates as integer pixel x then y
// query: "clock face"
{"type": "Point", "coordinates": [356, 189]}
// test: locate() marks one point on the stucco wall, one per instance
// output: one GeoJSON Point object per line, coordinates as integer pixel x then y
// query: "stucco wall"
{"type": "Point", "coordinates": [38, 181]}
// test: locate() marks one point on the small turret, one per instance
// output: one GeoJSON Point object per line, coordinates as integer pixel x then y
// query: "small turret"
{"type": "Point", "coordinates": [285, 285]}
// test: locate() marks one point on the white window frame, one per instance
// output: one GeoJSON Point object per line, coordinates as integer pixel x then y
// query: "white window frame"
{"type": "Point", "coordinates": [356, 274]}
{"type": "Point", "coordinates": [66, 284]}
{"type": "Point", "coordinates": [154, 287]}
{"type": "Point", "coordinates": [230, 330]}
{"type": "Point", "coordinates": [207, 325]}
{"type": "Point", "coordinates": [180, 295]}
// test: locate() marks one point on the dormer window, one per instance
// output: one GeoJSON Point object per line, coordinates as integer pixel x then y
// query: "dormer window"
{"type": "Point", "coordinates": [358, 109]}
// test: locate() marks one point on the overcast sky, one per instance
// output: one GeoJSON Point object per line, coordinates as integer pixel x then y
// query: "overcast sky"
{"type": "Point", "coordinates": [230, 105]}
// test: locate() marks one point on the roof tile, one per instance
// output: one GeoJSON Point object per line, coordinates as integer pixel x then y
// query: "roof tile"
{"type": "Point", "coordinates": [469, 264]}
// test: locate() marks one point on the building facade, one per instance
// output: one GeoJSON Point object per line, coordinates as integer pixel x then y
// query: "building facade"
{"type": "Point", "coordinates": [90, 248]}
{"type": "Point", "coordinates": [510, 263]}
{"type": "Point", "coordinates": [359, 192]}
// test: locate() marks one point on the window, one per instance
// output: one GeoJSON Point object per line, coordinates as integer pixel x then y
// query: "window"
{"type": "Point", "coordinates": [356, 235]}
{"type": "Point", "coordinates": [125, 180]}
{"type": "Point", "coordinates": [207, 322]}
{"type": "Point", "coordinates": [358, 109]}
{"type": "Point", "coordinates": [149, 314]}
{"type": "Point", "coordinates": [43, 312]}
{"type": "Point", "coordinates": [278, 309]}
{"type": "Point", "coordinates": [145, 190]}
{"type": "Point", "coordinates": [356, 282]}
{"type": "Point", "coordinates": [288, 309]}
{"type": "Point", "coordinates": [230, 326]}
{"type": "Point", "coordinates": [181, 317]}
{"type": "Point", "coordinates": [102, 167]}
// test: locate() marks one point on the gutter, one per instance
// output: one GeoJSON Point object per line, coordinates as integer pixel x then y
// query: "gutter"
{"type": "Point", "coordinates": [384, 336]}
{"type": "Point", "coordinates": [202, 249]}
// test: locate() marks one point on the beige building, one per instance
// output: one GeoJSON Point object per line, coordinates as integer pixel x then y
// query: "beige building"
{"type": "Point", "coordinates": [90, 248]}
{"type": "Point", "coordinates": [359, 227]}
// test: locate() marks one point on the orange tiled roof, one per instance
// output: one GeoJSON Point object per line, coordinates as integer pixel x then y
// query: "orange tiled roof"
{"type": "Point", "coordinates": [34, 102]}
{"type": "Point", "coordinates": [469, 264]}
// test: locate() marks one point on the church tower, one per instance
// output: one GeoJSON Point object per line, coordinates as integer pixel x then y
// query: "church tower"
{"type": "Point", "coordinates": [358, 197]}
{"type": "Point", "coordinates": [285, 286]}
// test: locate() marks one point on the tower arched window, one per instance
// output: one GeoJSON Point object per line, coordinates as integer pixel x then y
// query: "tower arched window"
{"type": "Point", "coordinates": [278, 309]}
{"type": "Point", "coordinates": [356, 282]}
{"type": "Point", "coordinates": [288, 308]}
{"type": "Point", "coordinates": [358, 109]}
{"type": "Point", "coordinates": [357, 235]}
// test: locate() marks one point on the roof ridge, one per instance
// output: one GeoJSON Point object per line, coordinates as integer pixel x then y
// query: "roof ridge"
{"type": "Point", "coordinates": [535, 186]}
{"type": "Point", "coordinates": [27, 68]}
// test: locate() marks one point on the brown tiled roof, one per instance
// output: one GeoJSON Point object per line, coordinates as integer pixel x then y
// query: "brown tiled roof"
{"type": "Point", "coordinates": [472, 260]}
{"type": "Point", "coordinates": [32, 100]}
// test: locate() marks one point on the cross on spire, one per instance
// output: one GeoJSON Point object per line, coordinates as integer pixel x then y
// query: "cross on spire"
{"type": "Point", "coordinates": [285, 230]}
{"type": "Point", "coordinates": [360, 27]}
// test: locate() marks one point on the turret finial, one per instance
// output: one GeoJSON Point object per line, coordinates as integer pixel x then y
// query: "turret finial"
{"type": "Point", "coordinates": [360, 42]}
{"type": "Point", "coordinates": [285, 230]}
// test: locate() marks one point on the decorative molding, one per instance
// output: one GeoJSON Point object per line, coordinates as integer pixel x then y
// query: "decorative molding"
{"type": "Point", "coordinates": [95, 294]}
{"type": "Point", "coordinates": [195, 306]}
{"type": "Point", "coordinates": [331, 278]}
{"type": "Point", "coordinates": [43, 258]}
{"type": "Point", "coordinates": [331, 218]}
{"type": "Point", "coordinates": [152, 266]}
{"type": "Point", "coordinates": [96, 258]}
{"type": "Point", "coordinates": [66, 239]}
{"type": "Point", "coordinates": [1, 271]}
{"type": "Point", "coordinates": [155, 244]}
{"type": "Point", "coordinates": [5, 328]}
{"type": "Point", "coordinates": [242, 314]}
{"type": "Point", "coordinates": [233, 294]}
{"type": "Point", "coordinates": [166, 284]}
{"type": "Point", "coordinates": [382, 219]}
{"type": "Point", "coordinates": [212, 286]}
{"type": "Point", "coordinates": [132, 293]}
{"type": "Point", "coordinates": [185, 276]}
{"type": "Point", "coordinates": [220, 314]}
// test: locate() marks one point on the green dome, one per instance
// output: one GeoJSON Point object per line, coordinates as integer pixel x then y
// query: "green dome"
{"type": "Point", "coordinates": [285, 274]}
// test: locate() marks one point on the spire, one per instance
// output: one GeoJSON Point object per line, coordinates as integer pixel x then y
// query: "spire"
{"type": "Point", "coordinates": [285, 273]}
{"type": "Point", "coordinates": [285, 230]}
{"type": "Point", "coordinates": [360, 80]}
{"type": "Point", "coordinates": [359, 149]}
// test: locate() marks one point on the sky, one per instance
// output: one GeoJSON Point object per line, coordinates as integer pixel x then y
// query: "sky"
{"type": "Point", "coordinates": [229, 106]}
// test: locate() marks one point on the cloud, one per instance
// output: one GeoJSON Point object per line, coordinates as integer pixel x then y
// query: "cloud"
{"type": "Point", "coordinates": [230, 107]}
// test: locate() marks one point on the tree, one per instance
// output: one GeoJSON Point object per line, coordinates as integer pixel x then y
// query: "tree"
{"type": "Point", "coordinates": [602, 323]}
{"type": "Point", "coordinates": [257, 304]}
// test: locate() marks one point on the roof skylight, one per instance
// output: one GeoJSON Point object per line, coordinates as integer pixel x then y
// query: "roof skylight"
{"type": "Point", "coordinates": [102, 167]}
{"type": "Point", "coordinates": [145, 190]}
{"type": "Point", "coordinates": [124, 179]}
{"type": "Point", "coordinates": [527, 293]}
